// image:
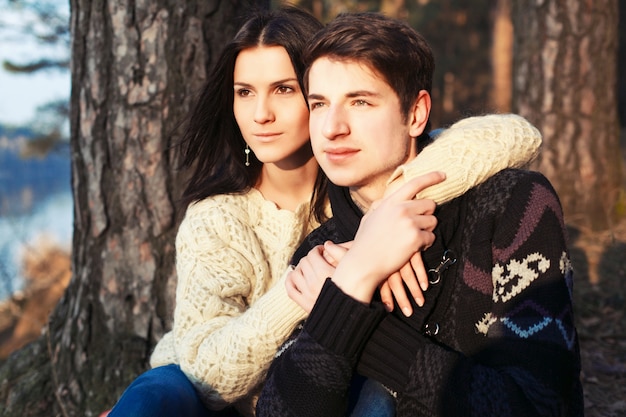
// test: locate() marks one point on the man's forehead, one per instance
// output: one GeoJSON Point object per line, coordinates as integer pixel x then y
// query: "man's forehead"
{"type": "Point", "coordinates": [361, 68]}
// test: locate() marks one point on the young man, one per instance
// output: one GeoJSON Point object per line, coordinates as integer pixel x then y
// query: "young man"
{"type": "Point", "coordinates": [495, 336]}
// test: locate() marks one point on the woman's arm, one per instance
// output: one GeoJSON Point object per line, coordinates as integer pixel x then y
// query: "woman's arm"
{"type": "Point", "coordinates": [469, 152]}
{"type": "Point", "coordinates": [222, 343]}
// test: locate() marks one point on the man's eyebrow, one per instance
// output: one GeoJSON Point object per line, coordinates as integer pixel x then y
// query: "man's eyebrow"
{"type": "Point", "coordinates": [362, 93]}
{"type": "Point", "coordinates": [351, 94]}
{"type": "Point", "coordinates": [316, 97]}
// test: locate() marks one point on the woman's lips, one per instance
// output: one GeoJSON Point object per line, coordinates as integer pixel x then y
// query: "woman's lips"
{"type": "Point", "coordinates": [266, 137]}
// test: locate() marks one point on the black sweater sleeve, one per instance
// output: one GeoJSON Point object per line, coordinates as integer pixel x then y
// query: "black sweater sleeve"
{"type": "Point", "coordinates": [311, 375]}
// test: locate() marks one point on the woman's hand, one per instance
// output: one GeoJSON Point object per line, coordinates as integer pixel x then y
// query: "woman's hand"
{"type": "Point", "coordinates": [305, 282]}
{"type": "Point", "coordinates": [414, 275]}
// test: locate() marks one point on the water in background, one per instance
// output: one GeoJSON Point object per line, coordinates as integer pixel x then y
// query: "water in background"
{"type": "Point", "coordinates": [50, 220]}
{"type": "Point", "coordinates": [35, 204]}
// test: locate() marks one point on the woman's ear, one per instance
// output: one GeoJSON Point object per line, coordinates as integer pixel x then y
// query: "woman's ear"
{"type": "Point", "coordinates": [418, 116]}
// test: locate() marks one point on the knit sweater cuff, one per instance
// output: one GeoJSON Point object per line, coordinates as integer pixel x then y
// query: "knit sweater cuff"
{"type": "Point", "coordinates": [471, 151]}
{"type": "Point", "coordinates": [282, 312]}
{"type": "Point", "coordinates": [340, 323]}
{"type": "Point", "coordinates": [390, 352]}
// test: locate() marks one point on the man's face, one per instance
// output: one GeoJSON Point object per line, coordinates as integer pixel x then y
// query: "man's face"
{"type": "Point", "coordinates": [358, 133]}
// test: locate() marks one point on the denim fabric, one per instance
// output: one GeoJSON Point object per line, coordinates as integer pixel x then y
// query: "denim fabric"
{"type": "Point", "coordinates": [164, 391]}
{"type": "Point", "coordinates": [369, 398]}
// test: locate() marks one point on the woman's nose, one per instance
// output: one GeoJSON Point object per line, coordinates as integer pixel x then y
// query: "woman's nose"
{"type": "Point", "coordinates": [263, 112]}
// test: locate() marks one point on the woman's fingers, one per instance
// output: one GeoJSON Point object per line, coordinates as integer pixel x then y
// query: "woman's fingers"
{"type": "Point", "coordinates": [417, 265]}
{"type": "Point", "coordinates": [408, 190]}
{"type": "Point", "coordinates": [333, 253]}
{"type": "Point", "coordinates": [305, 282]}
{"type": "Point", "coordinates": [409, 277]}
{"type": "Point", "coordinates": [399, 293]}
{"type": "Point", "coordinates": [386, 296]}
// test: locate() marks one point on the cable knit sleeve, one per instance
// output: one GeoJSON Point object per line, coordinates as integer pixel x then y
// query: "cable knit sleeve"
{"type": "Point", "coordinates": [472, 150]}
{"type": "Point", "coordinates": [227, 324]}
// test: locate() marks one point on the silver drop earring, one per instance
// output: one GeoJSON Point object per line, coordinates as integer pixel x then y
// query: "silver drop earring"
{"type": "Point", "coordinates": [247, 152]}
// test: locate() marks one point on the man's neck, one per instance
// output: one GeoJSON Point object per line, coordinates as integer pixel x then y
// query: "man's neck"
{"type": "Point", "coordinates": [360, 203]}
{"type": "Point", "coordinates": [363, 197]}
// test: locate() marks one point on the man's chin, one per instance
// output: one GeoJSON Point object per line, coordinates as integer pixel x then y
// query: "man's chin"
{"type": "Point", "coordinates": [342, 181]}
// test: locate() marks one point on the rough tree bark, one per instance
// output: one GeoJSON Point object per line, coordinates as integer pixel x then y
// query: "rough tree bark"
{"type": "Point", "coordinates": [135, 67]}
{"type": "Point", "coordinates": [565, 83]}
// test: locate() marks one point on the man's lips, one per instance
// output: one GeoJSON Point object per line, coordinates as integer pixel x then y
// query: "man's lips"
{"type": "Point", "coordinates": [340, 154]}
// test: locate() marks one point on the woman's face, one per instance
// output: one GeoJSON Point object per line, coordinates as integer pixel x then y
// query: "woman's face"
{"type": "Point", "coordinates": [269, 107]}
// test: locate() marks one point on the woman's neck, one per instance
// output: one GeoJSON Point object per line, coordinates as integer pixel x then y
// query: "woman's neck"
{"type": "Point", "coordinates": [288, 188]}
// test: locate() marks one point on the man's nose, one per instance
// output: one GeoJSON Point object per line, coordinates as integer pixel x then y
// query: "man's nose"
{"type": "Point", "coordinates": [335, 123]}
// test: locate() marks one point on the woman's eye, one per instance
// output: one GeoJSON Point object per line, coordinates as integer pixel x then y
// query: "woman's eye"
{"type": "Point", "coordinates": [243, 92]}
{"type": "Point", "coordinates": [285, 89]}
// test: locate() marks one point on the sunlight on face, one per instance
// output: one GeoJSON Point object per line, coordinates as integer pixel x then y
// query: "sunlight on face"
{"type": "Point", "coordinates": [269, 106]}
{"type": "Point", "coordinates": [358, 133]}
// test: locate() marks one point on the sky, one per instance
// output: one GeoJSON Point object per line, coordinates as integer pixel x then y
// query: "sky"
{"type": "Point", "coordinates": [20, 94]}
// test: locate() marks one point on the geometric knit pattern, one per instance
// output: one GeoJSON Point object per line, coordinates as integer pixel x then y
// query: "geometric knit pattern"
{"type": "Point", "coordinates": [511, 278]}
{"type": "Point", "coordinates": [505, 343]}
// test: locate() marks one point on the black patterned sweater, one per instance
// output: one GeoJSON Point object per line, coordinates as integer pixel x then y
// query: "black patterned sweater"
{"type": "Point", "coordinates": [495, 336]}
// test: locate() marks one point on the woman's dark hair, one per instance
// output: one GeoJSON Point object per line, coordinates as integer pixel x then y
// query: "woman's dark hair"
{"type": "Point", "coordinates": [390, 47]}
{"type": "Point", "coordinates": [212, 145]}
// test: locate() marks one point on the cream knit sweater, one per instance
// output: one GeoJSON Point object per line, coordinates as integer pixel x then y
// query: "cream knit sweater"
{"type": "Point", "coordinates": [232, 310]}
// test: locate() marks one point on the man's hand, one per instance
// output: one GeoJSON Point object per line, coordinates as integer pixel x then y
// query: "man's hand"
{"type": "Point", "coordinates": [412, 273]}
{"type": "Point", "coordinates": [388, 236]}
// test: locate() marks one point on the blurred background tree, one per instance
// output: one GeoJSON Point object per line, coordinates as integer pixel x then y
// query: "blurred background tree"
{"type": "Point", "coordinates": [565, 83]}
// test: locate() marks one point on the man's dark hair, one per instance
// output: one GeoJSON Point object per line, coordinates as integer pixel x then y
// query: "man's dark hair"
{"type": "Point", "coordinates": [389, 47]}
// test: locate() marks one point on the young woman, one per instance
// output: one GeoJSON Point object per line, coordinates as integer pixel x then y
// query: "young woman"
{"type": "Point", "coordinates": [255, 192]}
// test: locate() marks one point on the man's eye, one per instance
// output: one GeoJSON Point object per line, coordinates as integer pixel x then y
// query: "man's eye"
{"type": "Point", "coordinates": [315, 105]}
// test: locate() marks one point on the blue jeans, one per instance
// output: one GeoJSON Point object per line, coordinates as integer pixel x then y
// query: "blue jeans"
{"type": "Point", "coordinates": [164, 392]}
{"type": "Point", "coordinates": [369, 398]}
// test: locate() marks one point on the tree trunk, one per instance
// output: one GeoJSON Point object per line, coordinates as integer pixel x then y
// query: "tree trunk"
{"type": "Point", "coordinates": [135, 67]}
{"type": "Point", "coordinates": [394, 8]}
{"type": "Point", "coordinates": [502, 57]}
{"type": "Point", "coordinates": [565, 83]}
